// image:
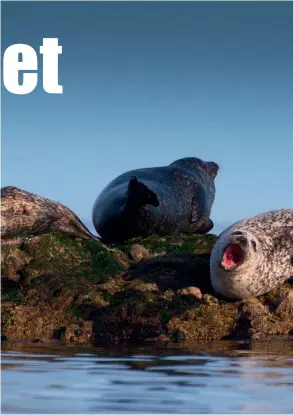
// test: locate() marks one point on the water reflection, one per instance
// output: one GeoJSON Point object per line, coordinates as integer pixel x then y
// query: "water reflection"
{"type": "Point", "coordinates": [223, 377]}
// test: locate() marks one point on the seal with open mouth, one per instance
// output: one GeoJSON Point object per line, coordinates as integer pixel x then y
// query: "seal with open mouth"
{"type": "Point", "coordinates": [253, 255]}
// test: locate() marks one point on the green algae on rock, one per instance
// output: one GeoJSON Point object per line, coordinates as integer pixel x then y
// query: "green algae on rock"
{"type": "Point", "coordinates": [176, 244]}
{"type": "Point", "coordinates": [155, 289]}
{"type": "Point", "coordinates": [58, 254]}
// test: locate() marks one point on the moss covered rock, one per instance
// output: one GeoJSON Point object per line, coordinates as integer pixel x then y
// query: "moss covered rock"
{"type": "Point", "coordinates": [155, 289]}
{"type": "Point", "coordinates": [58, 254]}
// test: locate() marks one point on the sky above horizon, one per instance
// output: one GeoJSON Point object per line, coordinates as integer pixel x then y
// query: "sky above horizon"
{"type": "Point", "coordinates": [147, 83]}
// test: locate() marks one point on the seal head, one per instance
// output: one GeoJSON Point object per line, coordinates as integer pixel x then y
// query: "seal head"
{"type": "Point", "coordinates": [235, 260]}
{"type": "Point", "coordinates": [196, 164]}
{"type": "Point", "coordinates": [252, 256]}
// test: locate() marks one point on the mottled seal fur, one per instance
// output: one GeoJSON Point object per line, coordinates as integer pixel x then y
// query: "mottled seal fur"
{"type": "Point", "coordinates": [253, 255]}
{"type": "Point", "coordinates": [159, 200]}
{"type": "Point", "coordinates": [25, 214]}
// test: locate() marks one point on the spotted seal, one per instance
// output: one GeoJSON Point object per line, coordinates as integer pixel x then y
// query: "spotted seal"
{"type": "Point", "coordinates": [25, 214]}
{"type": "Point", "coordinates": [253, 255]}
{"type": "Point", "coordinates": [157, 200]}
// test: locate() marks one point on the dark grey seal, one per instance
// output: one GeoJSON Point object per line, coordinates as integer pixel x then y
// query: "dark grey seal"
{"type": "Point", "coordinates": [159, 200]}
{"type": "Point", "coordinates": [25, 214]}
{"type": "Point", "coordinates": [253, 255]}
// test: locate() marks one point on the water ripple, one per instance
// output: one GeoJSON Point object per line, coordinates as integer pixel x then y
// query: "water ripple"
{"type": "Point", "coordinates": [241, 379]}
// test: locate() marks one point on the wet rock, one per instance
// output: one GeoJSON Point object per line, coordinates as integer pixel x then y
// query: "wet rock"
{"type": "Point", "coordinates": [285, 307]}
{"type": "Point", "coordinates": [255, 320]}
{"type": "Point", "coordinates": [37, 341]}
{"type": "Point", "coordinates": [13, 259]}
{"type": "Point", "coordinates": [204, 322]}
{"type": "Point", "coordinates": [161, 340]}
{"type": "Point", "coordinates": [142, 286]}
{"type": "Point", "coordinates": [173, 271]}
{"type": "Point", "coordinates": [79, 332]}
{"type": "Point", "coordinates": [154, 290]}
{"type": "Point", "coordinates": [210, 300]}
{"type": "Point", "coordinates": [178, 336]}
{"type": "Point", "coordinates": [58, 254]}
{"type": "Point", "coordinates": [193, 293]}
{"type": "Point", "coordinates": [138, 252]}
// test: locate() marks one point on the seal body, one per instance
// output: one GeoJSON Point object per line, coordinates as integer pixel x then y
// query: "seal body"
{"type": "Point", "coordinates": [160, 200]}
{"type": "Point", "coordinates": [253, 255]}
{"type": "Point", "coordinates": [25, 214]}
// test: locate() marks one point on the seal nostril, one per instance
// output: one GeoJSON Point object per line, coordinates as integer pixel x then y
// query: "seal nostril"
{"type": "Point", "coordinates": [241, 238]}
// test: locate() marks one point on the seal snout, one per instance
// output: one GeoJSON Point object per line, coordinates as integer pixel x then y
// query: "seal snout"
{"type": "Point", "coordinates": [232, 257]}
{"type": "Point", "coordinates": [212, 169]}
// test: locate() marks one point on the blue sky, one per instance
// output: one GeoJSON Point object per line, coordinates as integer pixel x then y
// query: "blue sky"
{"type": "Point", "coordinates": [147, 83]}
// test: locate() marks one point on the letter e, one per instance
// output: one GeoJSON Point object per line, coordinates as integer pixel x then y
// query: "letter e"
{"type": "Point", "coordinates": [12, 65]}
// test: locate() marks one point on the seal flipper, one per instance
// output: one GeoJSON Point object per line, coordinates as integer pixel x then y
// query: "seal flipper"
{"type": "Point", "coordinates": [139, 194]}
{"type": "Point", "coordinates": [201, 222]}
{"type": "Point", "coordinates": [204, 225]}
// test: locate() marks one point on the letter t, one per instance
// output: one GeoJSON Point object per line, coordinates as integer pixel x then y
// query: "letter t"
{"type": "Point", "coordinates": [50, 51]}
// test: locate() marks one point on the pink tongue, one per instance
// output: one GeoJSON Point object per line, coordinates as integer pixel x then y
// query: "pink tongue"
{"type": "Point", "coordinates": [232, 256]}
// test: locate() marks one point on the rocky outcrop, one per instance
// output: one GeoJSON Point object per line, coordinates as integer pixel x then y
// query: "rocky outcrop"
{"type": "Point", "coordinates": [147, 290]}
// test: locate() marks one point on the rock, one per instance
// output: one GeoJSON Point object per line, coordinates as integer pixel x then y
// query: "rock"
{"type": "Point", "coordinates": [13, 259]}
{"type": "Point", "coordinates": [79, 332]}
{"type": "Point", "coordinates": [255, 321]}
{"type": "Point", "coordinates": [203, 322]}
{"type": "Point", "coordinates": [285, 307]}
{"type": "Point", "coordinates": [154, 290]}
{"type": "Point", "coordinates": [54, 254]}
{"type": "Point", "coordinates": [138, 285]}
{"type": "Point", "coordinates": [192, 292]}
{"type": "Point", "coordinates": [173, 271]}
{"type": "Point", "coordinates": [210, 300]}
{"type": "Point", "coordinates": [37, 341]}
{"type": "Point", "coordinates": [253, 318]}
{"type": "Point", "coordinates": [161, 340]}
{"type": "Point", "coordinates": [138, 252]}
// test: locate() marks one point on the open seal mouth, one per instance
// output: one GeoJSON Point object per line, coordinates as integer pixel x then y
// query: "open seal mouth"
{"type": "Point", "coordinates": [232, 257]}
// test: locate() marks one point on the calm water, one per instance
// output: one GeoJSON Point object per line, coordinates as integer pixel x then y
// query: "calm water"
{"type": "Point", "coordinates": [207, 378]}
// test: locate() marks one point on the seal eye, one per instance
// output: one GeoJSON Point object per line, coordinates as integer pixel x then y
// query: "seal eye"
{"type": "Point", "coordinates": [253, 245]}
{"type": "Point", "coordinates": [237, 233]}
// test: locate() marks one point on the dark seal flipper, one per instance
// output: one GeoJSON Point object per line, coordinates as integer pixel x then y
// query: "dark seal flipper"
{"type": "Point", "coordinates": [139, 194]}
{"type": "Point", "coordinates": [202, 223]}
